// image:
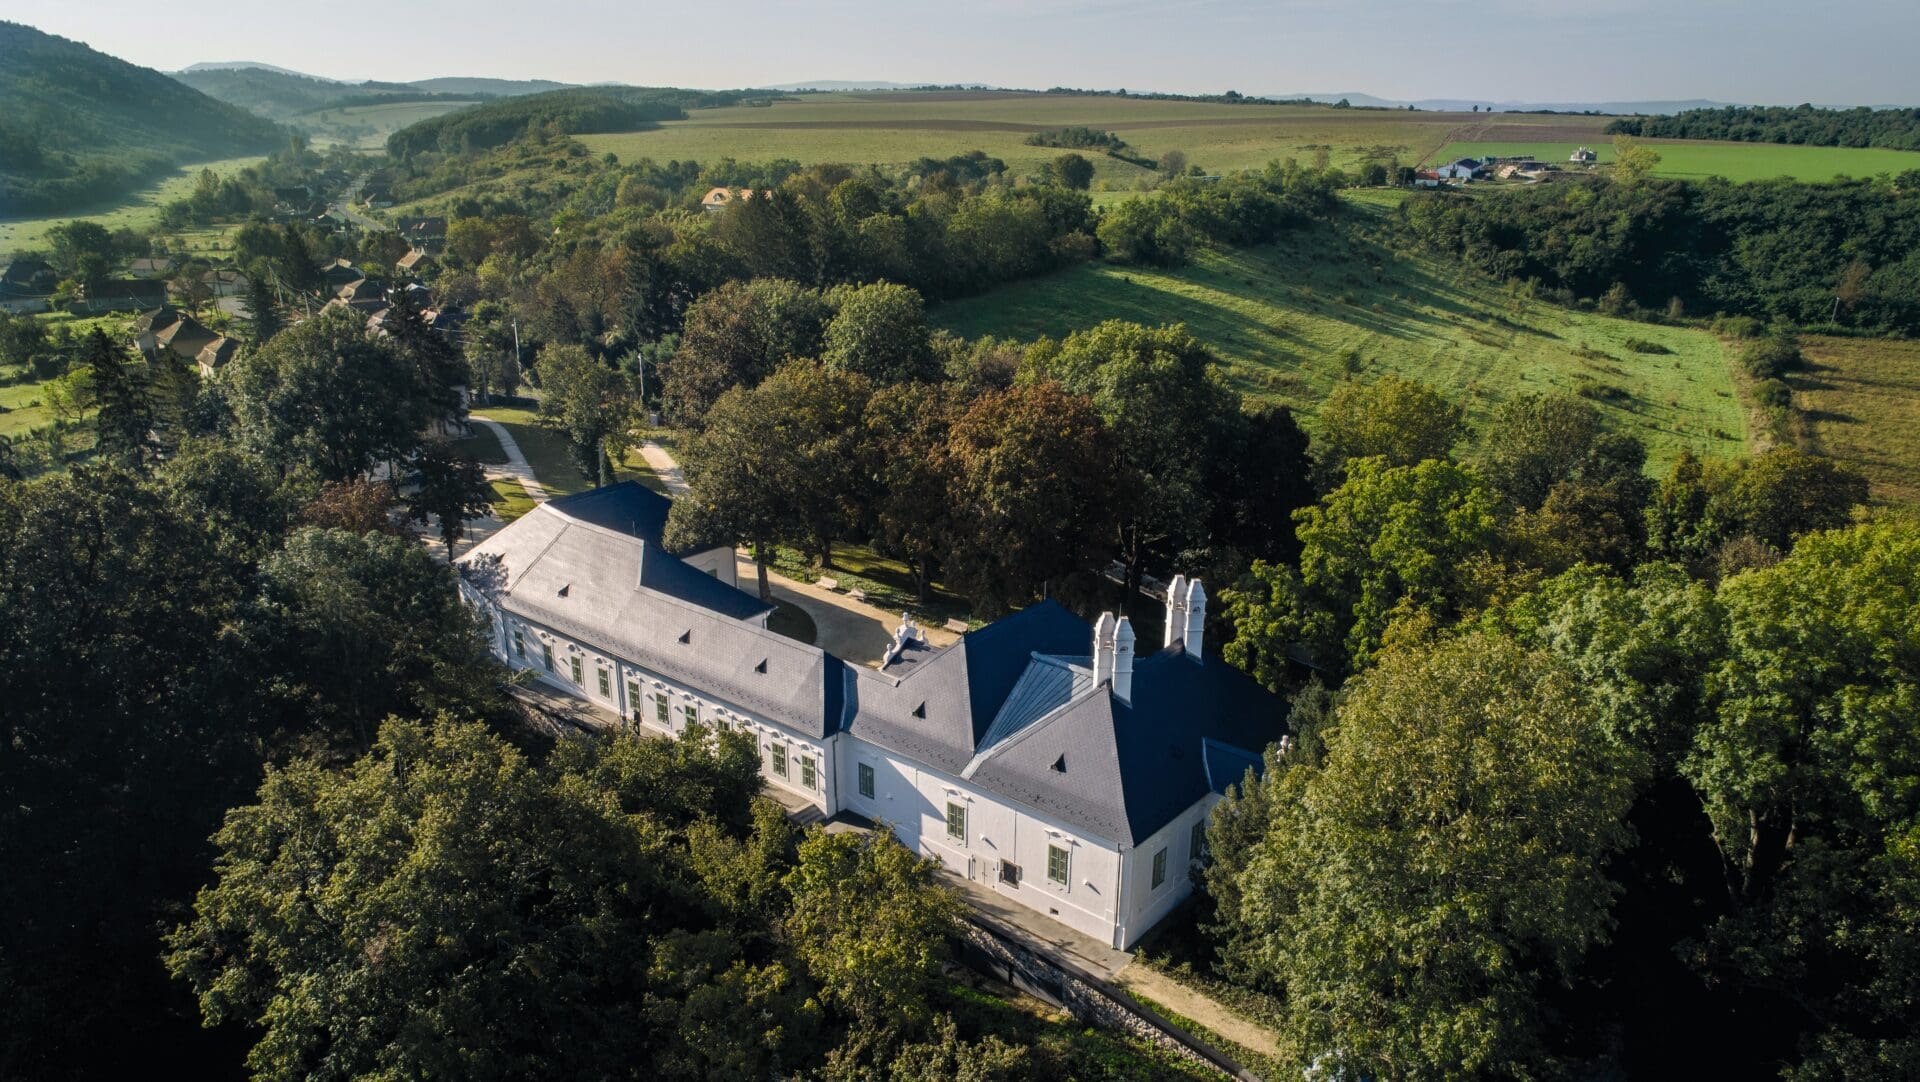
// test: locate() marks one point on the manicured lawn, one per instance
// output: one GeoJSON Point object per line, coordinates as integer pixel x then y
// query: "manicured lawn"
{"type": "Point", "coordinates": [482, 444]}
{"type": "Point", "coordinates": [1291, 320]}
{"type": "Point", "coordinates": [546, 450]}
{"type": "Point", "coordinates": [1734, 161]}
{"type": "Point", "coordinates": [1860, 402]}
{"type": "Point", "coordinates": [140, 210]}
{"type": "Point", "coordinates": [510, 499]}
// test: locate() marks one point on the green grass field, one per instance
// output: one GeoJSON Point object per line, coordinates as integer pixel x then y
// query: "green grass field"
{"type": "Point", "coordinates": [1290, 321]}
{"type": "Point", "coordinates": [141, 210]}
{"type": "Point", "coordinates": [1734, 161]}
{"type": "Point", "coordinates": [1860, 402]}
{"type": "Point", "coordinates": [894, 128]}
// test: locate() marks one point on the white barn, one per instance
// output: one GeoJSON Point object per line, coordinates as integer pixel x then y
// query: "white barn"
{"type": "Point", "coordinates": [1047, 760]}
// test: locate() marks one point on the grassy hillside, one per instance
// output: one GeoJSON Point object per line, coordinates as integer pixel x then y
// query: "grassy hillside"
{"type": "Point", "coordinates": [1860, 402]}
{"type": "Point", "coordinates": [78, 126]}
{"type": "Point", "coordinates": [1734, 161]}
{"type": "Point", "coordinates": [898, 127]}
{"type": "Point", "coordinates": [368, 126]}
{"type": "Point", "coordinates": [137, 209]}
{"type": "Point", "coordinates": [1292, 320]}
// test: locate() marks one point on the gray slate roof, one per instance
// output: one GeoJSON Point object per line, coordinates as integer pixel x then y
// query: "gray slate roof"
{"type": "Point", "coordinates": [619, 593]}
{"type": "Point", "coordinates": [1012, 708]}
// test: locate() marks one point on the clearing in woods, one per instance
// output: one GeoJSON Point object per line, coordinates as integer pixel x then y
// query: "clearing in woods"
{"type": "Point", "coordinates": [900, 127]}
{"type": "Point", "coordinates": [1291, 320]}
{"type": "Point", "coordinates": [1859, 401]}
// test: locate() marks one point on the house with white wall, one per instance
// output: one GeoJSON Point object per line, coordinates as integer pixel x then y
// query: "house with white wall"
{"type": "Point", "coordinates": [1048, 760]}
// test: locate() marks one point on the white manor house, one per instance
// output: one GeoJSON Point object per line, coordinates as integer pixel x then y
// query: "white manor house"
{"type": "Point", "coordinates": [1042, 758]}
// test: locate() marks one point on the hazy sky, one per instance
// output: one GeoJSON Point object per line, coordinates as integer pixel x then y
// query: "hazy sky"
{"type": "Point", "coordinates": [1772, 51]}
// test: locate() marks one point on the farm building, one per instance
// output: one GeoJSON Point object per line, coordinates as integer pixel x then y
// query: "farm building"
{"type": "Point", "coordinates": [1462, 169]}
{"type": "Point", "coordinates": [1583, 156]}
{"type": "Point", "coordinates": [1040, 757]}
{"type": "Point", "coordinates": [1426, 178]}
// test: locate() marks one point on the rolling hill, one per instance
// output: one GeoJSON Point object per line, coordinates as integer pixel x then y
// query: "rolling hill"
{"type": "Point", "coordinates": [78, 126]}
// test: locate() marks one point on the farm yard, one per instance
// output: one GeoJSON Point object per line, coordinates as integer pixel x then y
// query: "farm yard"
{"type": "Point", "coordinates": [1292, 320]}
{"type": "Point", "coordinates": [899, 127]}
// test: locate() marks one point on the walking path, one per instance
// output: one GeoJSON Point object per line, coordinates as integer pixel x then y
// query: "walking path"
{"type": "Point", "coordinates": [516, 466]}
{"type": "Point", "coordinates": [660, 461]}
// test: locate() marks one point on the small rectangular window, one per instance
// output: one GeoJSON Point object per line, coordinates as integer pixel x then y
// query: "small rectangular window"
{"type": "Point", "coordinates": [519, 643]}
{"type": "Point", "coordinates": [660, 709]}
{"type": "Point", "coordinates": [573, 666]}
{"type": "Point", "coordinates": [1010, 873]}
{"type": "Point", "coordinates": [1057, 864]}
{"type": "Point", "coordinates": [1197, 844]}
{"type": "Point", "coordinates": [633, 697]}
{"type": "Point", "coordinates": [806, 772]}
{"type": "Point", "coordinates": [606, 684]}
{"type": "Point", "coordinates": [690, 715]}
{"type": "Point", "coordinates": [546, 655]}
{"type": "Point", "coordinates": [956, 821]}
{"type": "Point", "coordinates": [1160, 866]}
{"type": "Point", "coordinates": [780, 759]}
{"type": "Point", "coordinates": [866, 781]}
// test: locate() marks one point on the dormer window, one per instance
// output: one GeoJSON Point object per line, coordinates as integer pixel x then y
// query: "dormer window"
{"type": "Point", "coordinates": [564, 589]}
{"type": "Point", "coordinates": [686, 636]}
{"type": "Point", "coordinates": [1060, 764]}
{"type": "Point", "coordinates": [762, 667]}
{"type": "Point", "coordinates": [920, 711]}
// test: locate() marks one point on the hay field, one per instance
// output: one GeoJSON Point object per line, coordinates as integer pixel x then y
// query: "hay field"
{"type": "Point", "coordinates": [140, 210]}
{"type": "Point", "coordinates": [1859, 401]}
{"type": "Point", "coordinates": [1689, 160]}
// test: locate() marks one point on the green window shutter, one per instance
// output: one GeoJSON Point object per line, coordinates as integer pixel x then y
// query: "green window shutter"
{"type": "Point", "coordinates": [1160, 866]}
{"type": "Point", "coordinates": [1057, 864]}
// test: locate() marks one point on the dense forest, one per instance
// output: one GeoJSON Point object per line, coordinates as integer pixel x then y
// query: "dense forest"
{"type": "Point", "coordinates": [573, 112]}
{"type": "Point", "coordinates": [1896, 129]}
{"type": "Point", "coordinates": [78, 126]}
{"type": "Point", "coordinates": [1846, 253]}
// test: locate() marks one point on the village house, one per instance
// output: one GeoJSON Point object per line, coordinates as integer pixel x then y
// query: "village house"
{"type": "Point", "coordinates": [26, 285]}
{"type": "Point", "coordinates": [150, 267]}
{"type": "Point", "coordinates": [416, 262]}
{"type": "Point", "coordinates": [428, 234]}
{"type": "Point", "coordinates": [1464, 169]}
{"type": "Point", "coordinates": [121, 295]}
{"type": "Point", "coordinates": [166, 331]}
{"type": "Point", "coordinates": [1055, 763]}
{"type": "Point", "coordinates": [362, 294]}
{"type": "Point", "coordinates": [718, 199]}
{"type": "Point", "coordinates": [1583, 156]}
{"type": "Point", "coordinates": [340, 272]}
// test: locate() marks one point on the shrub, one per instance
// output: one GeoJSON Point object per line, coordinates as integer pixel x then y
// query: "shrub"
{"type": "Point", "coordinates": [1600, 392]}
{"type": "Point", "coordinates": [1773, 393]}
{"type": "Point", "coordinates": [1771, 358]}
{"type": "Point", "coordinates": [1641, 345]}
{"type": "Point", "coordinates": [1738, 327]}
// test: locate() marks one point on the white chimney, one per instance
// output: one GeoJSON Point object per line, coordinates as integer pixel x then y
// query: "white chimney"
{"type": "Point", "coordinates": [1176, 611]}
{"type": "Point", "coordinates": [1196, 618]}
{"type": "Point", "coordinates": [1123, 660]}
{"type": "Point", "coordinates": [1103, 647]}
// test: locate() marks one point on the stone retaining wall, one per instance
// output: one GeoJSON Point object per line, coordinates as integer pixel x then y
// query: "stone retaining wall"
{"type": "Point", "coordinates": [1088, 998]}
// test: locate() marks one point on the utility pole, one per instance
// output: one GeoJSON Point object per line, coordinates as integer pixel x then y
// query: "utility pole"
{"type": "Point", "coordinates": [516, 347]}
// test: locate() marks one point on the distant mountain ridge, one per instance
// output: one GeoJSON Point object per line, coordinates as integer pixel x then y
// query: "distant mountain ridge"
{"type": "Point", "coordinates": [78, 126]}
{"type": "Point", "coordinates": [237, 65]}
{"type": "Point", "coordinates": [280, 94]}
